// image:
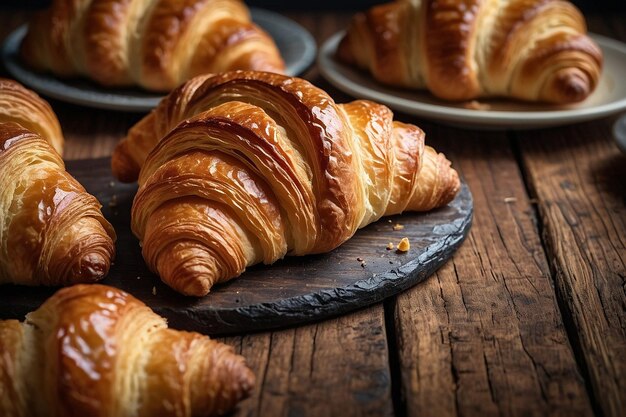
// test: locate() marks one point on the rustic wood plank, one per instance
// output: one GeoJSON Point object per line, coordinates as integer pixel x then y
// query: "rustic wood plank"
{"type": "Point", "coordinates": [578, 174]}
{"type": "Point", "coordinates": [333, 368]}
{"type": "Point", "coordinates": [484, 336]}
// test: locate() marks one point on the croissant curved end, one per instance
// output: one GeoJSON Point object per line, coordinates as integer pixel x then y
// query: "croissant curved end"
{"type": "Point", "coordinates": [568, 85]}
{"type": "Point", "coordinates": [91, 267]}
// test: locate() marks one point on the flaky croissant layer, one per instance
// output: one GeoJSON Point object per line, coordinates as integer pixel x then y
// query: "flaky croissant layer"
{"type": "Point", "coordinates": [155, 44]}
{"type": "Point", "coordinates": [51, 230]}
{"type": "Point", "coordinates": [93, 350]}
{"type": "Point", "coordinates": [246, 167]}
{"type": "Point", "coordinates": [534, 50]}
{"type": "Point", "coordinates": [23, 106]}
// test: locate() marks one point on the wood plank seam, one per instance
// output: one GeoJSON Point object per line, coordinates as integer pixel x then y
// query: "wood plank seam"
{"type": "Point", "coordinates": [397, 394]}
{"type": "Point", "coordinates": [568, 320]}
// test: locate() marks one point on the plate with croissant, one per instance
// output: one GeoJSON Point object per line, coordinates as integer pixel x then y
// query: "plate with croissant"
{"type": "Point", "coordinates": [245, 200]}
{"type": "Point", "coordinates": [173, 43]}
{"type": "Point", "coordinates": [513, 64]}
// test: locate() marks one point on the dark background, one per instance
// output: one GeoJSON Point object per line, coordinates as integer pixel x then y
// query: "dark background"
{"type": "Point", "coordinates": [584, 5]}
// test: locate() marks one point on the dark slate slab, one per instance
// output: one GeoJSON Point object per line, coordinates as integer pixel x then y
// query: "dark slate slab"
{"type": "Point", "coordinates": [293, 291]}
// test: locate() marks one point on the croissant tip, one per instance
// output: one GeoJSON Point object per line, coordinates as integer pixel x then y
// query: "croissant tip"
{"type": "Point", "coordinates": [571, 87]}
{"type": "Point", "coordinates": [91, 267]}
{"type": "Point", "coordinates": [123, 166]}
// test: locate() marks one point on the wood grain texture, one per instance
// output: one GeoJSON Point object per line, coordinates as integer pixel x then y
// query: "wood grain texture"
{"type": "Point", "coordinates": [579, 178]}
{"type": "Point", "coordinates": [484, 336]}
{"type": "Point", "coordinates": [333, 368]}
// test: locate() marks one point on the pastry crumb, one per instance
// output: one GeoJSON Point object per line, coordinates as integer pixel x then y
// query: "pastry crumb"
{"type": "Point", "coordinates": [359, 259]}
{"type": "Point", "coordinates": [397, 227]}
{"type": "Point", "coordinates": [153, 290]}
{"type": "Point", "coordinates": [476, 105]}
{"type": "Point", "coordinates": [113, 201]}
{"type": "Point", "coordinates": [510, 200]}
{"type": "Point", "coordinates": [390, 246]}
{"type": "Point", "coordinates": [138, 277]}
{"type": "Point", "coordinates": [404, 245]}
{"type": "Point", "coordinates": [363, 264]}
{"type": "Point", "coordinates": [112, 184]}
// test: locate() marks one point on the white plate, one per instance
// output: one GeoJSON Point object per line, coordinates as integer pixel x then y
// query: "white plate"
{"type": "Point", "coordinates": [609, 97]}
{"type": "Point", "coordinates": [296, 45]}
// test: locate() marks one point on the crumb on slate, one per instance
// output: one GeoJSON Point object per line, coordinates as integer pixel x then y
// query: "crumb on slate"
{"type": "Point", "coordinates": [397, 227]}
{"type": "Point", "coordinates": [404, 245]}
{"type": "Point", "coordinates": [390, 246]}
{"type": "Point", "coordinates": [112, 184]}
{"type": "Point", "coordinates": [153, 290]}
{"type": "Point", "coordinates": [113, 201]}
{"type": "Point", "coordinates": [359, 259]}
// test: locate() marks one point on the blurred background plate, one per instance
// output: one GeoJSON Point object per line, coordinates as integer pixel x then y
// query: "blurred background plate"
{"type": "Point", "coordinates": [296, 45]}
{"type": "Point", "coordinates": [609, 97]}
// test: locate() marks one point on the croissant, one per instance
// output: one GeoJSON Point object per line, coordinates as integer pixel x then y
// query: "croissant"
{"type": "Point", "coordinates": [23, 106]}
{"type": "Point", "coordinates": [51, 230]}
{"type": "Point", "coordinates": [93, 350]}
{"type": "Point", "coordinates": [155, 44]}
{"type": "Point", "coordinates": [245, 167]}
{"type": "Point", "coordinates": [533, 50]}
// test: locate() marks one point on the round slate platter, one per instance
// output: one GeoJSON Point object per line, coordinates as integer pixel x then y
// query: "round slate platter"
{"type": "Point", "coordinates": [292, 291]}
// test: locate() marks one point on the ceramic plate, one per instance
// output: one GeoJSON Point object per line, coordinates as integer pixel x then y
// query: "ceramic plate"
{"type": "Point", "coordinates": [296, 45]}
{"type": "Point", "coordinates": [609, 97]}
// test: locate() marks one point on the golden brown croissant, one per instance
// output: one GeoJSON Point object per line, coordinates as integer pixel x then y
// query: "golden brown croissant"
{"type": "Point", "coordinates": [23, 106]}
{"type": "Point", "coordinates": [156, 44]}
{"type": "Point", "coordinates": [51, 230]}
{"type": "Point", "coordinates": [93, 350]}
{"type": "Point", "coordinates": [535, 50]}
{"type": "Point", "coordinates": [258, 165]}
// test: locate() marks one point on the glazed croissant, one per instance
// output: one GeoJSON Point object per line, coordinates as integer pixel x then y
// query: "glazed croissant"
{"type": "Point", "coordinates": [535, 50]}
{"type": "Point", "coordinates": [156, 44]}
{"type": "Point", "coordinates": [93, 350]}
{"type": "Point", "coordinates": [245, 167]}
{"type": "Point", "coordinates": [51, 230]}
{"type": "Point", "coordinates": [23, 106]}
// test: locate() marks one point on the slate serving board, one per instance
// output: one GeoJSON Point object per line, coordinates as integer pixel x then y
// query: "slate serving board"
{"type": "Point", "coordinates": [292, 291]}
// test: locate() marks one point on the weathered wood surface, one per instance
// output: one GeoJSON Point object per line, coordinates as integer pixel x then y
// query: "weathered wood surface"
{"type": "Point", "coordinates": [578, 177]}
{"type": "Point", "coordinates": [335, 368]}
{"type": "Point", "coordinates": [484, 336]}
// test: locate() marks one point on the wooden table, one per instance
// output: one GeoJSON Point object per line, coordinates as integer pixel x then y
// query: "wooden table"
{"type": "Point", "coordinates": [528, 318]}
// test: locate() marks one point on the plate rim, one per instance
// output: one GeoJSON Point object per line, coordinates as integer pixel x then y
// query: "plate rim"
{"type": "Point", "coordinates": [58, 88]}
{"type": "Point", "coordinates": [473, 118]}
